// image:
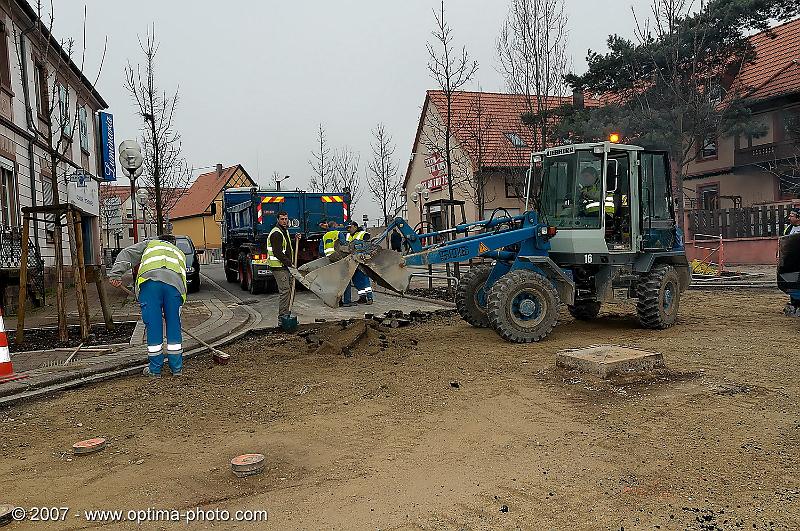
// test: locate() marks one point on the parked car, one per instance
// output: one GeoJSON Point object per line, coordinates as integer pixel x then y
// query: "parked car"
{"type": "Point", "coordinates": [185, 244]}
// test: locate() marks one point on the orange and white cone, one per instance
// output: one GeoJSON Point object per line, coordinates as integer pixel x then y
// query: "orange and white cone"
{"type": "Point", "coordinates": [6, 370]}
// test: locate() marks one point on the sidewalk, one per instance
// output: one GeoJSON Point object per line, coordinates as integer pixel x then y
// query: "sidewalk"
{"type": "Point", "coordinates": [213, 316]}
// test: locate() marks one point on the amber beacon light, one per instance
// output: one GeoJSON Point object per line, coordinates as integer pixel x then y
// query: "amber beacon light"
{"type": "Point", "coordinates": [613, 137]}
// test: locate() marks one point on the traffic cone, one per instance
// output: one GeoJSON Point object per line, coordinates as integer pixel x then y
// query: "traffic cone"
{"type": "Point", "coordinates": [6, 370]}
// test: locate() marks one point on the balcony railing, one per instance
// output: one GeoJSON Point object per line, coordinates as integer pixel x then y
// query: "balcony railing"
{"type": "Point", "coordinates": [766, 153]}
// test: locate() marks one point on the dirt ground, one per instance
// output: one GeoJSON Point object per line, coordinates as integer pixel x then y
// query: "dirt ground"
{"type": "Point", "coordinates": [443, 426]}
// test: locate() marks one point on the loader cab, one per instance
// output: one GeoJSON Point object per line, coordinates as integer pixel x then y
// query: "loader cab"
{"type": "Point", "coordinates": [605, 199]}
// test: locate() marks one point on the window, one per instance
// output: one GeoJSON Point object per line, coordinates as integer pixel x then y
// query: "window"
{"type": "Point", "coordinates": [516, 140]}
{"type": "Point", "coordinates": [47, 199]}
{"type": "Point", "coordinates": [8, 196]}
{"type": "Point", "coordinates": [83, 128]}
{"type": "Point", "coordinates": [656, 187]}
{"type": "Point", "coordinates": [708, 148]}
{"type": "Point", "coordinates": [130, 232]}
{"type": "Point", "coordinates": [65, 122]}
{"type": "Point", "coordinates": [708, 197]}
{"type": "Point", "coordinates": [515, 185]}
{"type": "Point", "coordinates": [5, 66]}
{"type": "Point", "coordinates": [40, 84]}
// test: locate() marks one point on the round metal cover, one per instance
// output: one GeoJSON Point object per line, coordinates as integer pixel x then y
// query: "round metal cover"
{"type": "Point", "coordinates": [247, 464]}
{"type": "Point", "coordinates": [89, 446]}
{"type": "Point", "coordinates": [6, 516]}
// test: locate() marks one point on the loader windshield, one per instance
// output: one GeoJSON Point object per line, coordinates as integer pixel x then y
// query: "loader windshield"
{"type": "Point", "coordinates": [572, 187]}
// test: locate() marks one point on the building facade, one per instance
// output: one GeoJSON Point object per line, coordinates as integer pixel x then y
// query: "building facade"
{"type": "Point", "coordinates": [48, 123]}
{"type": "Point", "coordinates": [490, 150]}
{"type": "Point", "coordinates": [198, 214]}
{"type": "Point", "coordinates": [739, 188]}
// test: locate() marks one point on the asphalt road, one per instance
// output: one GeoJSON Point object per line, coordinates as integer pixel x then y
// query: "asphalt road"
{"type": "Point", "coordinates": [307, 306]}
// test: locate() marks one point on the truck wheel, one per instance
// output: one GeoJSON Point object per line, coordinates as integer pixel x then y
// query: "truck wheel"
{"type": "Point", "coordinates": [231, 275]}
{"type": "Point", "coordinates": [471, 296]}
{"type": "Point", "coordinates": [659, 293]}
{"type": "Point", "coordinates": [584, 310]}
{"type": "Point", "coordinates": [244, 274]}
{"type": "Point", "coordinates": [523, 306]}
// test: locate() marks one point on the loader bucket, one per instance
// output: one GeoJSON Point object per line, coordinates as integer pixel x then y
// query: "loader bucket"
{"type": "Point", "coordinates": [326, 279]}
{"type": "Point", "coordinates": [789, 265]}
{"type": "Point", "coordinates": [386, 267]}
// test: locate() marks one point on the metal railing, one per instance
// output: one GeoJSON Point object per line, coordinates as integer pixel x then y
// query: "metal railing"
{"type": "Point", "coordinates": [11, 256]}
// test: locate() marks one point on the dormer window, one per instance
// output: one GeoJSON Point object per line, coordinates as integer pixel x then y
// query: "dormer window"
{"type": "Point", "coordinates": [516, 140]}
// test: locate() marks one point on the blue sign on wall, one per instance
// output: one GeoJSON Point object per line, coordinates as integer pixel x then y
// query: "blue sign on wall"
{"type": "Point", "coordinates": [107, 150]}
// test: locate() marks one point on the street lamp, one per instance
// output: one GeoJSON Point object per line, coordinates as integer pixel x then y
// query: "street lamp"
{"type": "Point", "coordinates": [421, 194]}
{"type": "Point", "coordinates": [143, 198]}
{"type": "Point", "coordinates": [278, 181]}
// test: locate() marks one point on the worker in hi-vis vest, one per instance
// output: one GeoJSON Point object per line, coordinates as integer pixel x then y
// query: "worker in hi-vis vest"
{"type": "Point", "coordinates": [327, 247]}
{"type": "Point", "coordinates": [360, 280]}
{"type": "Point", "coordinates": [281, 251]}
{"type": "Point", "coordinates": [160, 286]}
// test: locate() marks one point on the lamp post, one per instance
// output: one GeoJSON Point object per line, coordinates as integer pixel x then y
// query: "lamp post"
{"type": "Point", "coordinates": [278, 181]}
{"type": "Point", "coordinates": [143, 197]}
{"type": "Point", "coordinates": [130, 158]}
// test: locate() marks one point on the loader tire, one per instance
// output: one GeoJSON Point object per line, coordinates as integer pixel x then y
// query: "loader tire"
{"type": "Point", "coordinates": [471, 296]}
{"type": "Point", "coordinates": [523, 306]}
{"type": "Point", "coordinates": [659, 294]}
{"type": "Point", "coordinates": [584, 310]}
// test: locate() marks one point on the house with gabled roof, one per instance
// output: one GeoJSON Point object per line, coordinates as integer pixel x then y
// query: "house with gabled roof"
{"type": "Point", "coordinates": [198, 213]}
{"type": "Point", "coordinates": [490, 154]}
{"type": "Point", "coordinates": [741, 187]}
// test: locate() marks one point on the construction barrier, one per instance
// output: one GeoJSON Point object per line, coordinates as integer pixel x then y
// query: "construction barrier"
{"type": "Point", "coordinates": [6, 369]}
{"type": "Point", "coordinates": [705, 265]}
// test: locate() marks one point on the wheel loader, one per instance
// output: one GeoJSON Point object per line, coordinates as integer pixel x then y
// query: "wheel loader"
{"type": "Point", "coordinates": [599, 226]}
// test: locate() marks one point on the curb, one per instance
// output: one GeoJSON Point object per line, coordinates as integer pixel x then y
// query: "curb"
{"type": "Point", "coordinates": [108, 370]}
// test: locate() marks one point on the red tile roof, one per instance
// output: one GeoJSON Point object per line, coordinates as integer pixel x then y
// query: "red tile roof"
{"type": "Point", "coordinates": [774, 71]}
{"type": "Point", "coordinates": [501, 115]}
{"type": "Point", "coordinates": [204, 189]}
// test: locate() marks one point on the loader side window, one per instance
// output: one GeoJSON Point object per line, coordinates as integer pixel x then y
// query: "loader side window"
{"type": "Point", "coordinates": [655, 187]}
{"type": "Point", "coordinates": [570, 186]}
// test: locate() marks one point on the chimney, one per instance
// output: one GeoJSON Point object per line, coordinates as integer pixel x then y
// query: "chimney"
{"type": "Point", "coordinates": [219, 170]}
{"type": "Point", "coordinates": [577, 98]}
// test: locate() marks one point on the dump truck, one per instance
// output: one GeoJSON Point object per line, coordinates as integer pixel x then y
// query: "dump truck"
{"type": "Point", "coordinates": [249, 214]}
{"type": "Point", "coordinates": [599, 226]}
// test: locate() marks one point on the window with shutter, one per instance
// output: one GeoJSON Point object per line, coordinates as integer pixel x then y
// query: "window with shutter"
{"type": "Point", "coordinates": [83, 126]}
{"type": "Point", "coordinates": [5, 65]}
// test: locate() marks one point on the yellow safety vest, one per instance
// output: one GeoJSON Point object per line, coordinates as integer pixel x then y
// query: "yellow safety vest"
{"type": "Point", "coordinates": [357, 236]}
{"type": "Point", "coordinates": [329, 240]}
{"type": "Point", "coordinates": [272, 261]}
{"type": "Point", "coordinates": [159, 254]}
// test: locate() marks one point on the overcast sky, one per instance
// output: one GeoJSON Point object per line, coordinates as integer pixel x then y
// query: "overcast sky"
{"type": "Point", "coordinates": [257, 77]}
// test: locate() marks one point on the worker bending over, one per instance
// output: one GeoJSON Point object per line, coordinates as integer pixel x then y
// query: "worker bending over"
{"type": "Point", "coordinates": [327, 248]}
{"type": "Point", "coordinates": [160, 287]}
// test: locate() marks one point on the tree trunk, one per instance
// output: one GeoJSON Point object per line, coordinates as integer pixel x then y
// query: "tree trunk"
{"type": "Point", "coordinates": [63, 334]}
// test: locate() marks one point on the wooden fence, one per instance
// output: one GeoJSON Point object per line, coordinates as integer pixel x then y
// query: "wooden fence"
{"type": "Point", "coordinates": [731, 223]}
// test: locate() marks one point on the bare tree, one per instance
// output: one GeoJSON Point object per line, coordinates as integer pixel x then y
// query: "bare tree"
{"type": "Point", "coordinates": [474, 128]}
{"type": "Point", "coordinates": [346, 174]}
{"type": "Point", "coordinates": [58, 119]}
{"type": "Point", "coordinates": [321, 164]}
{"type": "Point", "coordinates": [166, 171]}
{"type": "Point", "coordinates": [532, 52]}
{"type": "Point", "coordinates": [452, 70]}
{"type": "Point", "coordinates": [382, 180]}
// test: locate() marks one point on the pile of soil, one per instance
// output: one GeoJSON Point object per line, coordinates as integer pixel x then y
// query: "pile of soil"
{"type": "Point", "coordinates": [440, 425]}
{"type": "Point", "coordinates": [47, 338]}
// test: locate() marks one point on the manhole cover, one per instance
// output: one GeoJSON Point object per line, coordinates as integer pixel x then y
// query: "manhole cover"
{"type": "Point", "coordinates": [89, 446]}
{"type": "Point", "coordinates": [247, 464]}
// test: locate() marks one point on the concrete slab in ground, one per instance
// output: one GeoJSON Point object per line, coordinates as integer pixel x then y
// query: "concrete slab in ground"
{"type": "Point", "coordinates": [605, 360]}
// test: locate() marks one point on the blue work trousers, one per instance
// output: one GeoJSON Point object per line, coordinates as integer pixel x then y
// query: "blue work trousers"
{"type": "Point", "coordinates": [161, 303]}
{"type": "Point", "coordinates": [362, 284]}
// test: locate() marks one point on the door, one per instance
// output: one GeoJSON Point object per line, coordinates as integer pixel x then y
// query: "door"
{"type": "Point", "coordinates": [657, 214]}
